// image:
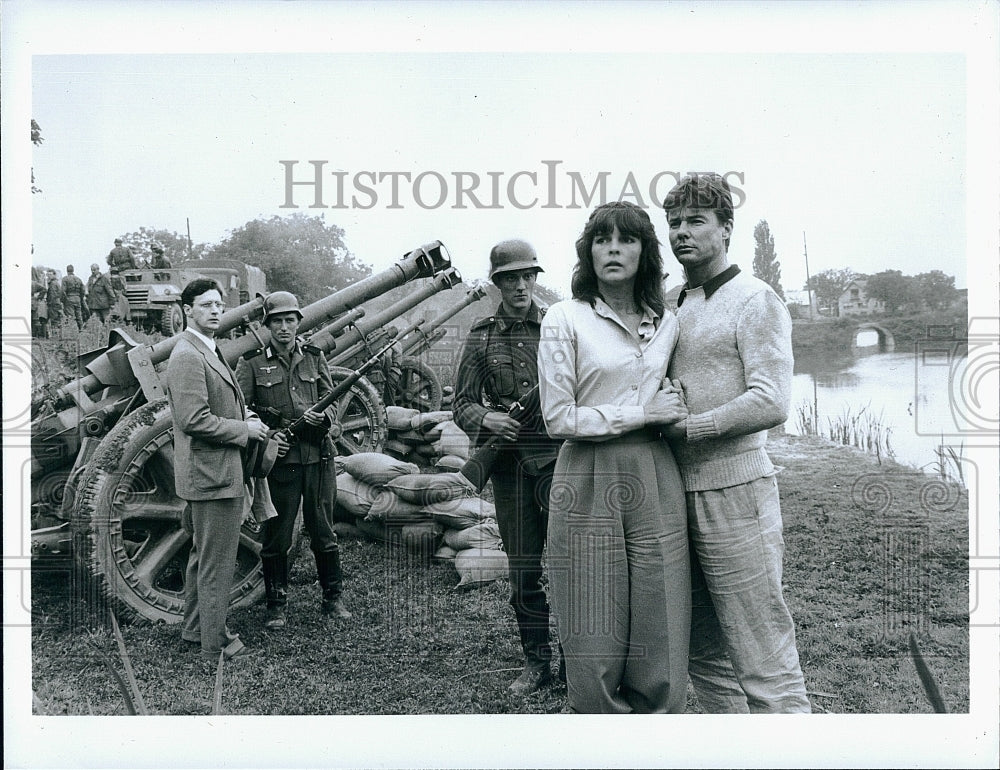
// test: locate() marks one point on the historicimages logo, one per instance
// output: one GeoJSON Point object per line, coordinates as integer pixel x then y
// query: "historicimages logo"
{"type": "Point", "coordinates": [548, 186]}
{"type": "Point", "coordinates": [965, 370]}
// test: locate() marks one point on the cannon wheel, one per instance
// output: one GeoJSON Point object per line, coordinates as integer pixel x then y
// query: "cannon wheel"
{"type": "Point", "coordinates": [419, 387]}
{"type": "Point", "coordinates": [361, 415]}
{"type": "Point", "coordinates": [130, 515]}
{"type": "Point", "coordinates": [171, 320]}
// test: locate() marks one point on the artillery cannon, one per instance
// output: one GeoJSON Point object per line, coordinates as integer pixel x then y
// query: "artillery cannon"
{"type": "Point", "coordinates": [419, 386]}
{"type": "Point", "coordinates": [102, 454]}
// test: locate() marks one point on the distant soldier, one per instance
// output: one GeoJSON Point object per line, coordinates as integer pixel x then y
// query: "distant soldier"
{"type": "Point", "coordinates": [74, 296]}
{"type": "Point", "coordinates": [39, 310]}
{"type": "Point", "coordinates": [160, 260]}
{"type": "Point", "coordinates": [54, 301]}
{"type": "Point", "coordinates": [100, 293]}
{"type": "Point", "coordinates": [120, 308]}
{"type": "Point", "coordinates": [120, 257]}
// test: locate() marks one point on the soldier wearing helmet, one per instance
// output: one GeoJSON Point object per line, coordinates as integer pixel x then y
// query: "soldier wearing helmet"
{"type": "Point", "coordinates": [498, 367]}
{"type": "Point", "coordinates": [281, 382]}
{"type": "Point", "coordinates": [160, 261]}
{"type": "Point", "coordinates": [120, 257]}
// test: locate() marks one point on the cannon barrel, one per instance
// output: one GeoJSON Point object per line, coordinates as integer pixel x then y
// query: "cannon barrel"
{"type": "Point", "coordinates": [422, 342]}
{"type": "Point", "coordinates": [432, 332]}
{"type": "Point", "coordinates": [109, 368]}
{"type": "Point", "coordinates": [424, 262]}
{"type": "Point", "coordinates": [125, 369]}
{"type": "Point", "coordinates": [324, 338]}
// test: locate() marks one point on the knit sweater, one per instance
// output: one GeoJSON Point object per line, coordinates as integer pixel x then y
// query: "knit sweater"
{"type": "Point", "coordinates": [734, 359]}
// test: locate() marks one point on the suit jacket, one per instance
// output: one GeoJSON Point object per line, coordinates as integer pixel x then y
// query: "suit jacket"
{"type": "Point", "coordinates": [209, 422]}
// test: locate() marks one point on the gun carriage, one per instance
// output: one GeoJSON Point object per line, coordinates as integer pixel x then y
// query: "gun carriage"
{"type": "Point", "coordinates": [102, 450]}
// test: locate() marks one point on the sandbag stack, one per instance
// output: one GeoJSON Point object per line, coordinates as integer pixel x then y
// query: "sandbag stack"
{"type": "Point", "coordinates": [433, 514]}
{"type": "Point", "coordinates": [427, 439]}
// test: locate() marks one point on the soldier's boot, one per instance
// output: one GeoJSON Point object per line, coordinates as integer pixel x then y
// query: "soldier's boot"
{"type": "Point", "coordinates": [537, 672]}
{"type": "Point", "coordinates": [331, 580]}
{"type": "Point", "coordinates": [275, 590]}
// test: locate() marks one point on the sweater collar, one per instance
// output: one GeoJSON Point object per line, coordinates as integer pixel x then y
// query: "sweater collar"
{"type": "Point", "coordinates": [712, 285]}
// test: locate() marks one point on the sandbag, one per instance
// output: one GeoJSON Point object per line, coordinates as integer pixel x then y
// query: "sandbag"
{"type": "Point", "coordinates": [426, 450]}
{"type": "Point", "coordinates": [396, 449]}
{"type": "Point", "coordinates": [427, 488]}
{"type": "Point", "coordinates": [421, 538]}
{"type": "Point", "coordinates": [445, 553]}
{"type": "Point", "coordinates": [476, 566]}
{"type": "Point", "coordinates": [450, 463]}
{"type": "Point", "coordinates": [376, 468]}
{"type": "Point", "coordinates": [392, 509]}
{"type": "Point", "coordinates": [409, 437]}
{"type": "Point", "coordinates": [462, 513]}
{"type": "Point", "coordinates": [354, 495]}
{"type": "Point", "coordinates": [399, 417]}
{"type": "Point", "coordinates": [486, 534]}
{"type": "Point", "coordinates": [429, 420]}
{"type": "Point", "coordinates": [453, 441]}
{"type": "Point", "coordinates": [373, 530]}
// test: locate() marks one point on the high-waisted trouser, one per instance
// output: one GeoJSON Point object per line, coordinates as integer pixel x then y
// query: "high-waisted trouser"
{"type": "Point", "coordinates": [619, 575]}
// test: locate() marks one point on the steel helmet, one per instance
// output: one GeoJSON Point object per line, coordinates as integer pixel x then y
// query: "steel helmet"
{"type": "Point", "coordinates": [280, 302]}
{"type": "Point", "coordinates": [513, 255]}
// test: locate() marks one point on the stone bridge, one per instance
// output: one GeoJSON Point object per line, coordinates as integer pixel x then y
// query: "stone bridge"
{"type": "Point", "coordinates": [886, 342]}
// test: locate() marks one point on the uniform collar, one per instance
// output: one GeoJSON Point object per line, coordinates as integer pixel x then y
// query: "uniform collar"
{"type": "Point", "coordinates": [271, 352]}
{"type": "Point", "coordinates": [712, 285]}
{"type": "Point", "coordinates": [504, 320]}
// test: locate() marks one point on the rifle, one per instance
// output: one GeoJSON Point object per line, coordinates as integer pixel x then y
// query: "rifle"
{"type": "Point", "coordinates": [477, 468]}
{"type": "Point", "coordinates": [261, 455]}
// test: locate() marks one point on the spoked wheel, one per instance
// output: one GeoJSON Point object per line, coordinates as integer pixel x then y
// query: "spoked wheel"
{"type": "Point", "coordinates": [129, 509]}
{"type": "Point", "coordinates": [419, 387]}
{"type": "Point", "coordinates": [361, 415]}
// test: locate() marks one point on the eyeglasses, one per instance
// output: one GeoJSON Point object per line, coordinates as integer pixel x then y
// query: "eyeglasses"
{"type": "Point", "coordinates": [510, 280]}
{"type": "Point", "coordinates": [212, 305]}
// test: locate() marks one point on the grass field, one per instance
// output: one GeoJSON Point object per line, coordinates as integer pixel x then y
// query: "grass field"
{"type": "Point", "coordinates": [873, 552]}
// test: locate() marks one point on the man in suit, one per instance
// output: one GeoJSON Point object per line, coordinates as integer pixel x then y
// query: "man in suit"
{"type": "Point", "coordinates": [211, 426]}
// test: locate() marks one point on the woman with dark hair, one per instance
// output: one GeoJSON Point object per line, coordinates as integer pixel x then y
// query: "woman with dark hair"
{"type": "Point", "coordinates": [617, 541]}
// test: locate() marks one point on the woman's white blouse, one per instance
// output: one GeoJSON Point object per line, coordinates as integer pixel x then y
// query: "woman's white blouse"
{"type": "Point", "coordinates": [594, 375]}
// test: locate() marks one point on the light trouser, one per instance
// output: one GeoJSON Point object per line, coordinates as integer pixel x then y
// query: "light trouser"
{"type": "Point", "coordinates": [743, 655]}
{"type": "Point", "coordinates": [211, 565]}
{"type": "Point", "coordinates": [619, 575]}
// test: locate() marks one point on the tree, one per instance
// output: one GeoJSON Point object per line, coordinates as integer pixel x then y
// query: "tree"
{"type": "Point", "coordinates": [765, 261]}
{"type": "Point", "coordinates": [36, 139]}
{"type": "Point", "coordinates": [175, 245]}
{"type": "Point", "coordinates": [895, 290]}
{"type": "Point", "coordinates": [298, 253]}
{"type": "Point", "coordinates": [935, 289]}
{"type": "Point", "coordinates": [828, 285]}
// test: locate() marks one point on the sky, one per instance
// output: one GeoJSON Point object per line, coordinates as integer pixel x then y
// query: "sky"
{"type": "Point", "coordinates": [872, 127]}
{"type": "Point", "coordinates": [863, 153]}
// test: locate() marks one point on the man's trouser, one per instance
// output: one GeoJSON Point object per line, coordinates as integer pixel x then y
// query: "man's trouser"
{"type": "Point", "coordinates": [211, 563]}
{"type": "Point", "coordinates": [522, 505]}
{"type": "Point", "coordinates": [742, 655]}
{"type": "Point", "coordinates": [74, 309]}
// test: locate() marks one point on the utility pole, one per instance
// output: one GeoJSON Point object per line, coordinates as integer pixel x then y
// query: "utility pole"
{"type": "Point", "coordinates": [191, 246]}
{"type": "Point", "coordinates": [809, 295]}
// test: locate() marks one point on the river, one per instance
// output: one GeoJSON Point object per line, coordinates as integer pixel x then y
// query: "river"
{"type": "Point", "coordinates": [917, 397]}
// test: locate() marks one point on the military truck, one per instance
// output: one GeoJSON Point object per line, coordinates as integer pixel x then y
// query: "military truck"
{"type": "Point", "coordinates": [154, 294]}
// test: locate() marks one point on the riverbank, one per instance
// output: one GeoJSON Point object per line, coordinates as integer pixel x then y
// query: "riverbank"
{"type": "Point", "coordinates": [829, 340]}
{"type": "Point", "coordinates": [872, 552]}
